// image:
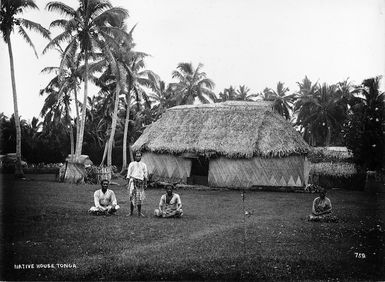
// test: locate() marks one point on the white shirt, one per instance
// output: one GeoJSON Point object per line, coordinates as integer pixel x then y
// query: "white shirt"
{"type": "Point", "coordinates": [174, 202]}
{"type": "Point", "coordinates": [137, 170]}
{"type": "Point", "coordinates": [104, 199]}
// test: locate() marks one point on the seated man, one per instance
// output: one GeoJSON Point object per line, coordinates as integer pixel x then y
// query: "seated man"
{"type": "Point", "coordinates": [105, 201]}
{"type": "Point", "coordinates": [170, 204]}
{"type": "Point", "coordinates": [322, 208]}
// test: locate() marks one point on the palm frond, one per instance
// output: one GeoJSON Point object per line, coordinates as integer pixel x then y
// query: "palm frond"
{"type": "Point", "coordinates": [58, 23]}
{"type": "Point", "coordinates": [49, 70]}
{"type": "Point", "coordinates": [207, 82]}
{"type": "Point", "coordinates": [28, 4]}
{"type": "Point", "coordinates": [186, 68]}
{"type": "Point", "coordinates": [57, 40]}
{"type": "Point", "coordinates": [177, 74]}
{"type": "Point", "coordinates": [35, 27]}
{"type": "Point", "coordinates": [27, 39]}
{"type": "Point", "coordinates": [97, 66]}
{"type": "Point", "coordinates": [114, 16]}
{"type": "Point", "coordinates": [56, 6]}
{"type": "Point", "coordinates": [67, 56]}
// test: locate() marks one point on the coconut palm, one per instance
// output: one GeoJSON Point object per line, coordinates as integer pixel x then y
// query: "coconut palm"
{"type": "Point", "coordinates": [59, 91]}
{"type": "Point", "coordinates": [242, 94]}
{"type": "Point", "coordinates": [56, 108]}
{"type": "Point", "coordinates": [137, 80]}
{"type": "Point", "coordinates": [192, 83]}
{"type": "Point", "coordinates": [282, 103]}
{"type": "Point", "coordinates": [112, 84]}
{"type": "Point", "coordinates": [302, 106]}
{"type": "Point", "coordinates": [8, 23]}
{"type": "Point", "coordinates": [90, 28]}
{"type": "Point", "coordinates": [162, 96]}
{"type": "Point", "coordinates": [325, 114]}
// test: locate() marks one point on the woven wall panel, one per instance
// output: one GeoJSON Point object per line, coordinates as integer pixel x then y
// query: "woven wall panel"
{"type": "Point", "coordinates": [167, 168]}
{"type": "Point", "coordinates": [289, 171]}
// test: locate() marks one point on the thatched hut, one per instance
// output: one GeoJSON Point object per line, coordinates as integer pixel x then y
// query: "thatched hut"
{"type": "Point", "coordinates": [230, 144]}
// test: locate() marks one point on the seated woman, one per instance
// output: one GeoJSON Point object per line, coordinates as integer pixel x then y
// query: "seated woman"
{"type": "Point", "coordinates": [170, 204]}
{"type": "Point", "coordinates": [322, 208]}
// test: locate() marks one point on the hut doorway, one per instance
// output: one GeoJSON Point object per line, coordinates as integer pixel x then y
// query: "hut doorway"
{"type": "Point", "coordinates": [199, 171]}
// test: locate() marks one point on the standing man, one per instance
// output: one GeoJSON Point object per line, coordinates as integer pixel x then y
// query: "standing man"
{"type": "Point", "coordinates": [105, 201]}
{"type": "Point", "coordinates": [137, 181]}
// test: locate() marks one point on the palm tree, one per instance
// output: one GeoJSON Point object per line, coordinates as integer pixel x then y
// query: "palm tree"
{"type": "Point", "coordinates": [162, 96]}
{"type": "Point", "coordinates": [91, 27]}
{"type": "Point", "coordinates": [137, 79]}
{"type": "Point", "coordinates": [243, 94]}
{"type": "Point", "coordinates": [193, 83]}
{"type": "Point", "coordinates": [302, 106]}
{"type": "Point", "coordinates": [282, 103]}
{"type": "Point", "coordinates": [8, 22]}
{"type": "Point", "coordinates": [112, 84]}
{"type": "Point", "coordinates": [322, 113]}
{"type": "Point", "coordinates": [56, 108]}
{"type": "Point", "coordinates": [59, 93]}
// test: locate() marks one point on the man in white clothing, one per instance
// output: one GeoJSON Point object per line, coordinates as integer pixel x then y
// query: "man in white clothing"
{"type": "Point", "coordinates": [170, 204]}
{"type": "Point", "coordinates": [137, 181]}
{"type": "Point", "coordinates": [105, 201]}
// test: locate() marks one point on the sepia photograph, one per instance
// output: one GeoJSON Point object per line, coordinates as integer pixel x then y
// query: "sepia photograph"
{"type": "Point", "coordinates": [192, 140]}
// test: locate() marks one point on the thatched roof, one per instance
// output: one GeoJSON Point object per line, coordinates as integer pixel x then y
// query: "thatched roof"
{"type": "Point", "coordinates": [333, 169]}
{"type": "Point", "coordinates": [232, 129]}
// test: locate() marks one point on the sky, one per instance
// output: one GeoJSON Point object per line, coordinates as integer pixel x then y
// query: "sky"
{"type": "Point", "coordinates": [250, 42]}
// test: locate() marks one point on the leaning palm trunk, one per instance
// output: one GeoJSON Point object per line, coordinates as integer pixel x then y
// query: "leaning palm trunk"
{"type": "Point", "coordinates": [113, 125]}
{"type": "Point", "coordinates": [18, 169]}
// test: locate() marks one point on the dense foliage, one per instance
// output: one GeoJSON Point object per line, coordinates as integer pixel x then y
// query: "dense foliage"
{"type": "Point", "coordinates": [366, 126]}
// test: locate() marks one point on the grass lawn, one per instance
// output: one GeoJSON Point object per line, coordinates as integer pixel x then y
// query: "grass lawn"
{"type": "Point", "coordinates": [44, 222]}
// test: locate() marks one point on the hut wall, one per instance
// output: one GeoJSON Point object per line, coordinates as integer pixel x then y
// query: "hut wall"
{"type": "Point", "coordinates": [243, 173]}
{"type": "Point", "coordinates": [168, 168]}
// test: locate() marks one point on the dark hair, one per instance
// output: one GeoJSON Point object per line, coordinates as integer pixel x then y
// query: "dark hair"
{"type": "Point", "coordinates": [169, 186]}
{"type": "Point", "coordinates": [104, 180]}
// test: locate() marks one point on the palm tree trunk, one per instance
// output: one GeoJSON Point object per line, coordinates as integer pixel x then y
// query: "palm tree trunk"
{"type": "Point", "coordinates": [75, 171]}
{"type": "Point", "coordinates": [77, 112]}
{"type": "Point", "coordinates": [113, 125]}
{"type": "Point", "coordinates": [125, 133]}
{"type": "Point", "coordinates": [18, 169]}
{"type": "Point", "coordinates": [79, 139]}
{"type": "Point", "coordinates": [130, 153]}
{"type": "Point", "coordinates": [72, 142]}
{"type": "Point", "coordinates": [104, 154]}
